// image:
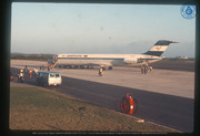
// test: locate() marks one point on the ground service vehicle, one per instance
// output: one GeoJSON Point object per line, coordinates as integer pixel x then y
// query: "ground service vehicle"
{"type": "Point", "coordinates": [47, 78]}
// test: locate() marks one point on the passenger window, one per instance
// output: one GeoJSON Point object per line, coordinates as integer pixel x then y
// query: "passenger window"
{"type": "Point", "coordinates": [57, 75]}
{"type": "Point", "coordinates": [52, 75]}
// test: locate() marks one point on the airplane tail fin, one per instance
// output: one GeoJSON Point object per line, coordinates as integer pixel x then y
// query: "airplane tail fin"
{"type": "Point", "coordinates": [159, 47]}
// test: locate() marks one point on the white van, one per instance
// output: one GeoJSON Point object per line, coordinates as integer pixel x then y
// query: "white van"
{"type": "Point", "coordinates": [47, 78]}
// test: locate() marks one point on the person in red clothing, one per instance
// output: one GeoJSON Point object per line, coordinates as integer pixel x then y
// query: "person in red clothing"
{"type": "Point", "coordinates": [30, 73]}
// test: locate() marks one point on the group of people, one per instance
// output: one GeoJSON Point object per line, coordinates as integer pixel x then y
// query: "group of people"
{"type": "Point", "coordinates": [24, 71]}
{"type": "Point", "coordinates": [49, 67]}
{"type": "Point", "coordinates": [29, 71]}
{"type": "Point", "coordinates": [145, 69]}
{"type": "Point", "coordinates": [42, 67]}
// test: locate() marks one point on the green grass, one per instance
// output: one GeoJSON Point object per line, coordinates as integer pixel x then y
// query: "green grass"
{"type": "Point", "coordinates": [34, 108]}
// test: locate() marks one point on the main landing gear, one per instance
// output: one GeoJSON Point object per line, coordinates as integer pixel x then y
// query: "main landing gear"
{"type": "Point", "coordinates": [109, 68]}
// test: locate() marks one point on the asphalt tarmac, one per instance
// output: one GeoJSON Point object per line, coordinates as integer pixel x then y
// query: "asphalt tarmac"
{"type": "Point", "coordinates": [168, 110]}
{"type": "Point", "coordinates": [178, 65]}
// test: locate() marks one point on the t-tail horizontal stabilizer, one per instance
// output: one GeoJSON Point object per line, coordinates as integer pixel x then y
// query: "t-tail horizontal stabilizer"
{"type": "Point", "coordinates": [159, 47]}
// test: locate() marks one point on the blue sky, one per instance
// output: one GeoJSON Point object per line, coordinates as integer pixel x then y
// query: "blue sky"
{"type": "Point", "coordinates": [99, 28]}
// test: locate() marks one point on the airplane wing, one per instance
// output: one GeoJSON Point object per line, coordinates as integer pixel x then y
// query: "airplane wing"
{"type": "Point", "coordinates": [140, 60]}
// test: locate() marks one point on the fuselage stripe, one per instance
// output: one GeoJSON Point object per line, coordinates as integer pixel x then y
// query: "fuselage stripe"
{"type": "Point", "coordinates": [155, 53]}
{"type": "Point", "coordinates": [120, 59]}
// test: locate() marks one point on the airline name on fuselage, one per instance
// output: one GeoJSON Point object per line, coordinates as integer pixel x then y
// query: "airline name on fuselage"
{"type": "Point", "coordinates": [74, 56]}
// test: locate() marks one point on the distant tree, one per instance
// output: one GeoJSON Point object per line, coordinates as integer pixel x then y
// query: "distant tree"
{"type": "Point", "coordinates": [41, 57]}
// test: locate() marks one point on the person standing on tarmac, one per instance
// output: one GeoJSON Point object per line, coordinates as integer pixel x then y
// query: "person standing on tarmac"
{"type": "Point", "coordinates": [42, 67]}
{"type": "Point", "coordinates": [30, 73]}
{"type": "Point", "coordinates": [142, 69]}
{"type": "Point", "coordinates": [145, 69]}
{"type": "Point", "coordinates": [48, 68]}
{"type": "Point", "coordinates": [35, 71]}
{"type": "Point", "coordinates": [20, 76]}
{"type": "Point", "coordinates": [100, 72]}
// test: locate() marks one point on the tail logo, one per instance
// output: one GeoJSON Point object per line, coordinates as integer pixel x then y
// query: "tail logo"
{"type": "Point", "coordinates": [158, 48]}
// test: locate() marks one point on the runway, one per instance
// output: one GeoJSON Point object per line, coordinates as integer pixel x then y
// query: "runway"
{"type": "Point", "coordinates": [168, 109]}
{"type": "Point", "coordinates": [178, 65]}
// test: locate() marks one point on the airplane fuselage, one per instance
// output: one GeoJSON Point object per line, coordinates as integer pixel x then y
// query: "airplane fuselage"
{"type": "Point", "coordinates": [109, 60]}
{"type": "Point", "coordinates": [106, 59]}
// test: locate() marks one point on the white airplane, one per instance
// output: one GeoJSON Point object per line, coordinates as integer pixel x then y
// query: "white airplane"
{"type": "Point", "coordinates": [109, 60]}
